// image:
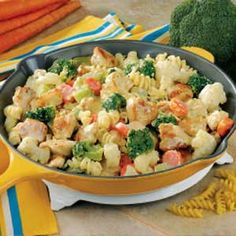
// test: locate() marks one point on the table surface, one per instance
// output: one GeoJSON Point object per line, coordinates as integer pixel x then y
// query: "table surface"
{"type": "Point", "coordinates": [144, 219]}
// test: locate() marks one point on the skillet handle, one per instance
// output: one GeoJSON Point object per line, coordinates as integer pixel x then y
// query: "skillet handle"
{"type": "Point", "coordinates": [19, 170]}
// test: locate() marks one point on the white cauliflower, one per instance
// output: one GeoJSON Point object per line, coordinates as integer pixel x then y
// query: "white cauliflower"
{"type": "Point", "coordinates": [29, 147]}
{"type": "Point", "coordinates": [112, 155]}
{"type": "Point", "coordinates": [212, 96]}
{"type": "Point", "coordinates": [215, 117]}
{"type": "Point", "coordinates": [89, 133]}
{"type": "Point", "coordinates": [196, 108]}
{"type": "Point", "coordinates": [144, 163]}
{"type": "Point", "coordinates": [130, 170]}
{"type": "Point", "coordinates": [203, 144]}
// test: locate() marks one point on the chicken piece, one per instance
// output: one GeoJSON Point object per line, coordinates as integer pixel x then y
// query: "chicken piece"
{"type": "Point", "coordinates": [52, 98]}
{"type": "Point", "coordinates": [64, 125]}
{"type": "Point", "coordinates": [191, 125]}
{"type": "Point", "coordinates": [140, 110]}
{"type": "Point", "coordinates": [173, 137]}
{"type": "Point", "coordinates": [181, 91]}
{"type": "Point", "coordinates": [101, 57]}
{"type": "Point", "coordinates": [29, 147]}
{"type": "Point", "coordinates": [22, 97]}
{"type": "Point", "coordinates": [32, 128]}
{"type": "Point", "coordinates": [57, 161]}
{"type": "Point", "coordinates": [59, 147]}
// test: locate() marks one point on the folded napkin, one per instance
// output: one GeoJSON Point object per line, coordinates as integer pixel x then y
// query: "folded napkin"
{"type": "Point", "coordinates": [24, 209]}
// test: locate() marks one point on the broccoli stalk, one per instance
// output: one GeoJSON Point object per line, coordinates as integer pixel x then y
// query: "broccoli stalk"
{"type": "Point", "coordinates": [164, 118]}
{"type": "Point", "coordinates": [63, 67]}
{"type": "Point", "coordinates": [197, 83]}
{"type": "Point", "coordinates": [43, 114]}
{"type": "Point", "coordinates": [139, 141]}
{"type": "Point", "coordinates": [147, 68]}
{"type": "Point", "coordinates": [209, 24]}
{"type": "Point", "coordinates": [86, 149]}
{"type": "Point", "coordinates": [114, 102]}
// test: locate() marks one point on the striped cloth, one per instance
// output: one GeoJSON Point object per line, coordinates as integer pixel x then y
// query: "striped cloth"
{"type": "Point", "coordinates": [24, 209]}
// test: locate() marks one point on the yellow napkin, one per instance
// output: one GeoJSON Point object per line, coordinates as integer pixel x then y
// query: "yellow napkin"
{"type": "Point", "coordinates": [25, 209]}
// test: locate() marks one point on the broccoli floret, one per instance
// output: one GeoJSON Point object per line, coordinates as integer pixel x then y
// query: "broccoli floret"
{"type": "Point", "coordinates": [209, 24]}
{"type": "Point", "coordinates": [128, 68]}
{"type": "Point", "coordinates": [114, 102]}
{"type": "Point", "coordinates": [43, 114]}
{"type": "Point", "coordinates": [63, 67]}
{"type": "Point", "coordinates": [198, 82]}
{"type": "Point", "coordinates": [86, 149]}
{"type": "Point", "coordinates": [164, 118]}
{"type": "Point", "coordinates": [139, 141]}
{"type": "Point", "coordinates": [147, 68]}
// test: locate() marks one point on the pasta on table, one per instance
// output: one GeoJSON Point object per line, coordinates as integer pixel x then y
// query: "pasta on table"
{"type": "Point", "coordinates": [114, 115]}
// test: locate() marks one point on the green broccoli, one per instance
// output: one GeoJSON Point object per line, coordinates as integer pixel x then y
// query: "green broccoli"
{"type": "Point", "coordinates": [164, 118]}
{"type": "Point", "coordinates": [63, 67]}
{"type": "Point", "coordinates": [147, 68]}
{"type": "Point", "coordinates": [209, 24]}
{"type": "Point", "coordinates": [43, 114]}
{"type": "Point", "coordinates": [198, 82]}
{"type": "Point", "coordinates": [87, 149]}
{"type": "Point", "coordinates": [114, 102]}
{"type": "Point", "coordinates": [128, 68]}
{"type": "Point", "coordinates": [139, 142]}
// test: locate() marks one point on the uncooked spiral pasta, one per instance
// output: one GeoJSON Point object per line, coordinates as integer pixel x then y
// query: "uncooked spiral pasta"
{"type": "Point", "coordinates": [209, 192]}
{"type": "Point", "coordinates": [200, 204]}
{"type": "Point", "coordinates": [225, 173]}
{"type": "Point", "coordinates": [229, 184]}
{"type": "Point", "coordinates": [185, 211]}
{"type": "Point", "coordinates": [220, 202]}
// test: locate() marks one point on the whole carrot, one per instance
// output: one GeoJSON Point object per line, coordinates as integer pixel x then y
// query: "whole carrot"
{"type": "Point", "coordinates": [14, 37]}
{"type": "Point", "coordinates": [10, 9]}
{"type": "Point", "coordinates": [8, 25]}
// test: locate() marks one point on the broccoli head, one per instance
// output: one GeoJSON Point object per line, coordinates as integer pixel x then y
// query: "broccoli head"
{"type": "Point", "coordinates": [209, 24]}
{"type": "Point", "coordinates": [128, 68]}
{"type": "Point", "coordinates": [114, 102]}
{"type": "Point", "coordinates": [147, 68]}
{"type": "Point", "coordinates": [63, 67]}
{"type": "Point", "coordinates": [139, 141]}
{"type": "Point", "coordinates": [43, 114]}
{"type": "Point", "coordinates": [86, 149]}
{"type": "Point", "coordinates": [198, 82]}
{"type": "Point", "coordinates": [164, 118]}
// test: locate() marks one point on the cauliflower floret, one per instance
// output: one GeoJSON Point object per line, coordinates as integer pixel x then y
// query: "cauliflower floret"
{"type": "Point", "coordinates": [203, 144]}
{"type": "Point", "coordinates": [10, 123]}
{"type": "Point", "coordinates": [14, 137]}
{"type": "Point", "coordinates": [112, 155]}
{"type": "Point", "coordinates": [212, 96]}
{"type": "Point", "coordinates": [196, 108]}
{"type": "Point", "coordinates": [145, 162]}
{"type": "Point", "coordinates": [130, 171]}
{"type": "Point", "coordinates": [215, 117]}
{"type": "Point", "coordinates": [91, 167]}
{"type": "Point", "coordinates": [59, 147]}
{"type": "Point", "coordinates": [29, 147]}
{"type": "Point", "coordinates": [88, 133]}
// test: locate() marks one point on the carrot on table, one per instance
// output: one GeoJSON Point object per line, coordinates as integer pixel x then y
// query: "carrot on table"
{"type": "Point", "coordinates": [14, 37]}
{"type": "Point", "coordinates": [8, 25]}
{"type": "Point", "coordinates": [10, 9]}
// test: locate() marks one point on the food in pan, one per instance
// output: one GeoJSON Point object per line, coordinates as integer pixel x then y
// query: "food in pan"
{"type": "Point", "coordinates": [117, 115]}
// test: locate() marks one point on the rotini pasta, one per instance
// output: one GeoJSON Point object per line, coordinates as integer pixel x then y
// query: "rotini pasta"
{"type": "Point", "coordinates": [220, 202]}
{"type": "Point", "coordinates": [200, 204]}
{"type": "Point", "coordinates": [180, 210]}
{"type": "Point", "coordinates": [225, 173]}
{"type": "Point", "coordinates": [209, 192]}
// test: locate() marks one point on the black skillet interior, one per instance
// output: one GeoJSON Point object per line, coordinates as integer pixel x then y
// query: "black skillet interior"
{"type": "Point", "coordinates": [27, 67]}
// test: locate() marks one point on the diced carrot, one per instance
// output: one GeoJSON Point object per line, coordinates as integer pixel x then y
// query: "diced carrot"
{"type": "Point", "coordinates": [178, 107]}
{"type": "Point", "coordinates": [125, 160]}
{"type": "Point", "coordinates": [172, 158]}
{"type": "Point", "coordinates": [66, 91]}
{"type": "Point", "coordinates": [19, 21]}
{"type": "Point", "coordinates": [224, 126]}
{"type": "Point", "coordinates": [13, 8]}
{"type": "Point", "coordinates": [14, 37]}
{"type": "Point", "coordinates": [70, 82]}
{"type": "Point", "coordinates": [122, 129]}
{"type": "Point", "coordinates": [94, 117]}
{"type": "Point", "coordinates": [94, 85]}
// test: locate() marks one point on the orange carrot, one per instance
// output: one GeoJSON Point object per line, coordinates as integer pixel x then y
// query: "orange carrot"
{"type": "Point", "coordinates": [19, 21]}
{"type": "Point", "coordinates": [10, 9]}
{"type": "Point", "coordinates": [14, 37]}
